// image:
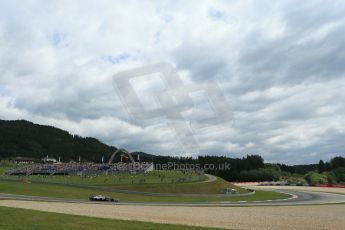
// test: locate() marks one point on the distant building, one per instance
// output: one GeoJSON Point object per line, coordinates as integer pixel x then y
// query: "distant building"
{"type": "Point", "coordinates": [24, 160]}
{"type": "Point", "coordinates": [49, 160]}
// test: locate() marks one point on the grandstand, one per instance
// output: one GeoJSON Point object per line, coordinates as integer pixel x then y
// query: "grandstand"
{"type": "Point", "coordinates": [85, 168]}
{"type": "Point", "coordinates": [81, 169]}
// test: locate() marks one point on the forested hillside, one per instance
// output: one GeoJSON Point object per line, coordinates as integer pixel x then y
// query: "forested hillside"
{"type": "Point", "coordinates": [26, 139]}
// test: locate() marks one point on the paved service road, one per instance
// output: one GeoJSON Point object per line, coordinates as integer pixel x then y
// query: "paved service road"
{"type": "Point", "coordinates": [297, 198]}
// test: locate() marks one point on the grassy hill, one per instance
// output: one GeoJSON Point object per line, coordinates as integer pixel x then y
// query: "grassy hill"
{"type": "Point", "coordinates": [214, 187]}
{"type": "Point", "coordinates": [26, 139]}
{"type": "Point", "coordinates": [77, 192]}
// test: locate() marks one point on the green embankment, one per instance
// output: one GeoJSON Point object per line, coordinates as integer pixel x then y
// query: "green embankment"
{"type": "Point", "coordinates": [155, 182]}
{"type": "Point", "coordinates": [15, 219]}
{"type": "Point", "coordinates": [214, 187]}
{"type": "Point", "coordinates": [60, 191]}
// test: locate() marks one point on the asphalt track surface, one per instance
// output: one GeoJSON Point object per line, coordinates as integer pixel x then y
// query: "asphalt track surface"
{"type": "Point", "coordinates": [296, 198]}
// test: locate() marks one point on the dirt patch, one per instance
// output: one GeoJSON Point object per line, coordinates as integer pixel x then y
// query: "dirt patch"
{"type": "Point", "coordinates": [288, 217]}
{"type": "Point", "coordinates": [303, 188]}
{"type": "Point", "coordinates": [210, 178]}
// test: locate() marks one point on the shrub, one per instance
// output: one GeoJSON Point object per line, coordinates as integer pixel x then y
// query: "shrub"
{"type": "Point", "coordinates": [316, 178]}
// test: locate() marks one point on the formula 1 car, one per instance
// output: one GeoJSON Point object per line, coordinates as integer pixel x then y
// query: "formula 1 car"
{"type": "Point", "coordinates": [102, 198]}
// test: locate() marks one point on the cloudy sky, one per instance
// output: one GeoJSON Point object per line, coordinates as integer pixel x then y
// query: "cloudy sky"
{"type": "Point", "coordinates": [279, 67]}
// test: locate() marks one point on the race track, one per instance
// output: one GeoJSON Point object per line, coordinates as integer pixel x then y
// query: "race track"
{"type": "Point", "coordinates": [296, 198]}
{"type": "Point", "coordinates": [299, 212]}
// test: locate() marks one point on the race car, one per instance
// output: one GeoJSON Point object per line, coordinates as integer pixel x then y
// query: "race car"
{"type": "Point", "coordinates": [102, 198]}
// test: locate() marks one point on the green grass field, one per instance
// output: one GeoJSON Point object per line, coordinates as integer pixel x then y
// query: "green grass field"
{"type": "Point", "coordinates": [20, 219]}
{"type": "Point", "coordinates": [78, 187]}
{"type": "Point", "coordinates": [60, 191]}
{"type": "Point", "coordinates": [214, 187]}
{"type": "Point", "coordinates": [155, 182]}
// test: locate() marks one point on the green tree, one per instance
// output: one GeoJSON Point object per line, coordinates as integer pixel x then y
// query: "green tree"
{"type": "Point", "coordinates": [321, 166]}
{"type": "Point", "coordinates": [337, 162]}
{"type": "Point", "coordinates": [339, 174]}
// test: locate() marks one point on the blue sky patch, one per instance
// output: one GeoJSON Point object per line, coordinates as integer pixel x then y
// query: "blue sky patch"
{"type": "Point", "coordinates": [216, 14]}
{"type": "Point", "coordinates": [59, 40]}
{"type": "Point", "coordinates": [116, 59]}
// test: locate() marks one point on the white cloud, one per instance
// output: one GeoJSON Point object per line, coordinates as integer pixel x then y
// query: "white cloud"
{"type": "Point", "coordinates": [280, 65]}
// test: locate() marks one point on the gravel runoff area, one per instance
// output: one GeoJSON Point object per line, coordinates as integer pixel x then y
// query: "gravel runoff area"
{"type": "Point", "coordinates": [312, 217]}
{"type": "Point", "coordinates": [302, 188]}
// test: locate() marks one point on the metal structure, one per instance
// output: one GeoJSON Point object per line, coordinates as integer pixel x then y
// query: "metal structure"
{"type": "Point", "coordinates": [118, 151]}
